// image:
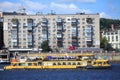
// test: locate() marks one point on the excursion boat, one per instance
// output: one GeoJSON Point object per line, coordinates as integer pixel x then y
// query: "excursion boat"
{"type": "Point", "coordinates": [87, 61]}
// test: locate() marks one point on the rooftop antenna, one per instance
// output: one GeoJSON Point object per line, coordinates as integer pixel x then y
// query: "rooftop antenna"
{"type": "Point", "coordinates": [21, 9]}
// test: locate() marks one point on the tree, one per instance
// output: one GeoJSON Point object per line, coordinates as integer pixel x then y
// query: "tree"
{"type": "Point", "coordinates": [45, 47]}
{"type": "Point", "coordinates": [104, 44]}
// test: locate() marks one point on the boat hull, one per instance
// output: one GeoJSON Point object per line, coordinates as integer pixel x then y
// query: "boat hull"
{"type": "Point", "coordinates": [98, 67]}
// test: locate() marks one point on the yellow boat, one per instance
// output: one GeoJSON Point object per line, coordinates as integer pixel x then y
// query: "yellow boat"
{"type": "Point", "coordinates": [82, 61]}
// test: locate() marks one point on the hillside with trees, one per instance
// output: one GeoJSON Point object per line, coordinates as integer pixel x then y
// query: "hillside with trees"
{"type": "Point", "coordinates": [106, 23]}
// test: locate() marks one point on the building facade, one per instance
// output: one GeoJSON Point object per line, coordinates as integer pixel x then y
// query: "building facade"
{"type": "Point", "coordinates": [60, 30]}
{"type": "Point", "coordinates": [113, 37]}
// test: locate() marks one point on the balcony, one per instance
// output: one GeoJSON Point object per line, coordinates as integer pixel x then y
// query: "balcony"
{"type": "Point", "coordinates": [29, 40]}
{"type": "Point", "coordinates": [25, 25]}
{"type": "Point", "coordinates": [59, 35]}
{"type": "Point", "coordinates": [59, 28]}
{"type": "Point", "coordinates": [74, 37]}
{"type": "Point", "coordinates": [15, 40]}
{"type": "Point", "coordinates": [29, 20]}
{"type": "Point", "coordinates": [74, 20]}
{"type": "Point", "coordinates": [44, 20]}
{"type": "Point", "coordinates": [44, 24]}
{"type": "Point", "coordinates": [30, 43]}
{"type": "Point", "coordinates": [88, 39]}
{"type": "Point", "coordinates": [89, 20]}
{"type": "Point", "coordinates": [59, 20]}
{"type": "Point", "coordinates": [74, 40]}
{"type": "Point", "coordinates": [74, 24]}
{"type": "Point", "coordinates": [59, 40]}
{"type": "Point", "coordinates": [30, 29]}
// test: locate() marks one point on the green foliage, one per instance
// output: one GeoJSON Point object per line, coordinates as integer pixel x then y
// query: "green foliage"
{"type": "Point", "coordinates": [45, 47]}
{"type": "Point", "coordinates": [105, 23]}
{"type": "Point", "coordinates": [104, 44]}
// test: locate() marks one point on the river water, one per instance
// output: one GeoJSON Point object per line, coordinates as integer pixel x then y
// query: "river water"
{"type": "Point", "coordinates": [62, 74]}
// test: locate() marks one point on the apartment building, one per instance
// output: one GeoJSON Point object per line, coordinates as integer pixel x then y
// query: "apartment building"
{"type": "Point", "coordinates": [60, 30]}
{"type": "Point", "coordinates": [113, 36]}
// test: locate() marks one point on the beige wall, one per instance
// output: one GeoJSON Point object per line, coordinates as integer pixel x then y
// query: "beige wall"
{"type": "Point", "coordinates": [52, 26]}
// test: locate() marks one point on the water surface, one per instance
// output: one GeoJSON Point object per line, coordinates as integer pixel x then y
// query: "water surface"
{"type": "Point", "coordinates": [62, 74]}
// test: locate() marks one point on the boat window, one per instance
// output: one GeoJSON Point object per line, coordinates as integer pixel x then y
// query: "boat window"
{"type": "Point", "coordinates": [78, 63]}
{"type": "Point", "coordinates": [94, 63]}
{"type": "Point", "coordinates": [14, 64]}
{"type": "Point", "coordinates": [54, 63]}
{"type": "Point", "coordinates": [29, 64]}
{"type": "Point", "coordinates": [39, 63]}
{"type": "Point", "coordinates": [34, 64]}
{"type": "Point", "coordinates": [59, 63]}
{"type": "Point", "coordinates": [99, 62]}
{"type": "Point", "coordinates": [64, 63]}
{"type": "Point", "coordinates": [74, 63]}
{"type": "Point", "coordinates": [108, 62]}
{"type": "Point", "coordinates": [69, 63]}
{"type": "Point", "coordinates": [20, 64]}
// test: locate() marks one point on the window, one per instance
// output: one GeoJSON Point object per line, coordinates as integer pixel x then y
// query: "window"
{"type": "Point", "coordinates": [78, 63]}
{"type": "Point", "coordinates": [69, 63]}
{"type": "Point", "coordinates": [116, 38]}
{"type": "Point", "coordinates": [9, 19]}
{"type": "Point", "coordinates": [74, 63]}
{"type": "Point", "coordinates": [29, 64]}
{"type": "Point", "coordinates": [83, 22]}
{"type": "Point", "coordinates": [64, 63]}
{"type": "Point", "coordinates": [54, 63]}
{"type": "Point", "coordinates": [112, 38]}
{"type": "Point", "coordinates": [83, 18]}
{"type": "Point", "coordinates": [59, 63]}
{"type": "Point", "coordinates": [68, 19]}
{"type": "Point", "coordinates": [109, 38]}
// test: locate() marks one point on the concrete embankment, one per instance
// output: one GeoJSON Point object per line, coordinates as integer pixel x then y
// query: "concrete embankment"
{"type": "Point", "coordinates": [115, 60]}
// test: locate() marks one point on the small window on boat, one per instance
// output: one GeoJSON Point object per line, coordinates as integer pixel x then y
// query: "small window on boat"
{"type": "Point", "coordinates": [14, 64]}
{"type": "Point", "coordinates": [108, 62]}
{"type": "Point", "coordinates": [64, 63]}
{"type": "Point", "coordinates": [20, 64]}
{"type": "Point", "coordinates": [94, 63]}
{"type": "Point", "coordinates": [54, 63]}
{"type": "Point", "coordinates": [99, 62]}
{"type": "Point", "coordinates": [34, 64]}
{"type": "Point", "coordinates": [74, 63]}
{"type": "Point", "coordinates": [69, 63]}
{"type": "Point", "coordinates": [59, 63]}
{"type": "Point", "coordinates": [39, 63]}
{"type": "Point", "coordinates": [78, 63]}
{"type": "Point", "coordinates": [29, 64]}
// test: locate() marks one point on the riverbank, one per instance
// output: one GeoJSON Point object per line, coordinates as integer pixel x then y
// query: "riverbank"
{"type": "Point", "coordinates": [114, 62]}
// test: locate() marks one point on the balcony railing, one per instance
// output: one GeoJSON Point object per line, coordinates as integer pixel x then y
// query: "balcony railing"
{"type": "Point", "coordinates": [14, 40]}
{"type": "Point", "coordinates": [74, 20]}
{"type": "Point", "coordinates": [29, 43]}
{"type": "Point", "coordinates": [59, 36]}
{"type": "Point", "coordinates": [44, 20]}
{"type": "Point", "coordinates": [29, 28]}
{"type": "Point", "coordinates": [43, 24]}
{"type": "Point", "coordinates": [59, 20]}
{"type": "Point", "coordinates": [14, 25]}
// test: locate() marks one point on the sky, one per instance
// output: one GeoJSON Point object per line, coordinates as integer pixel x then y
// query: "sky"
{"type": "Point", "coordinates": [106, 8]}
